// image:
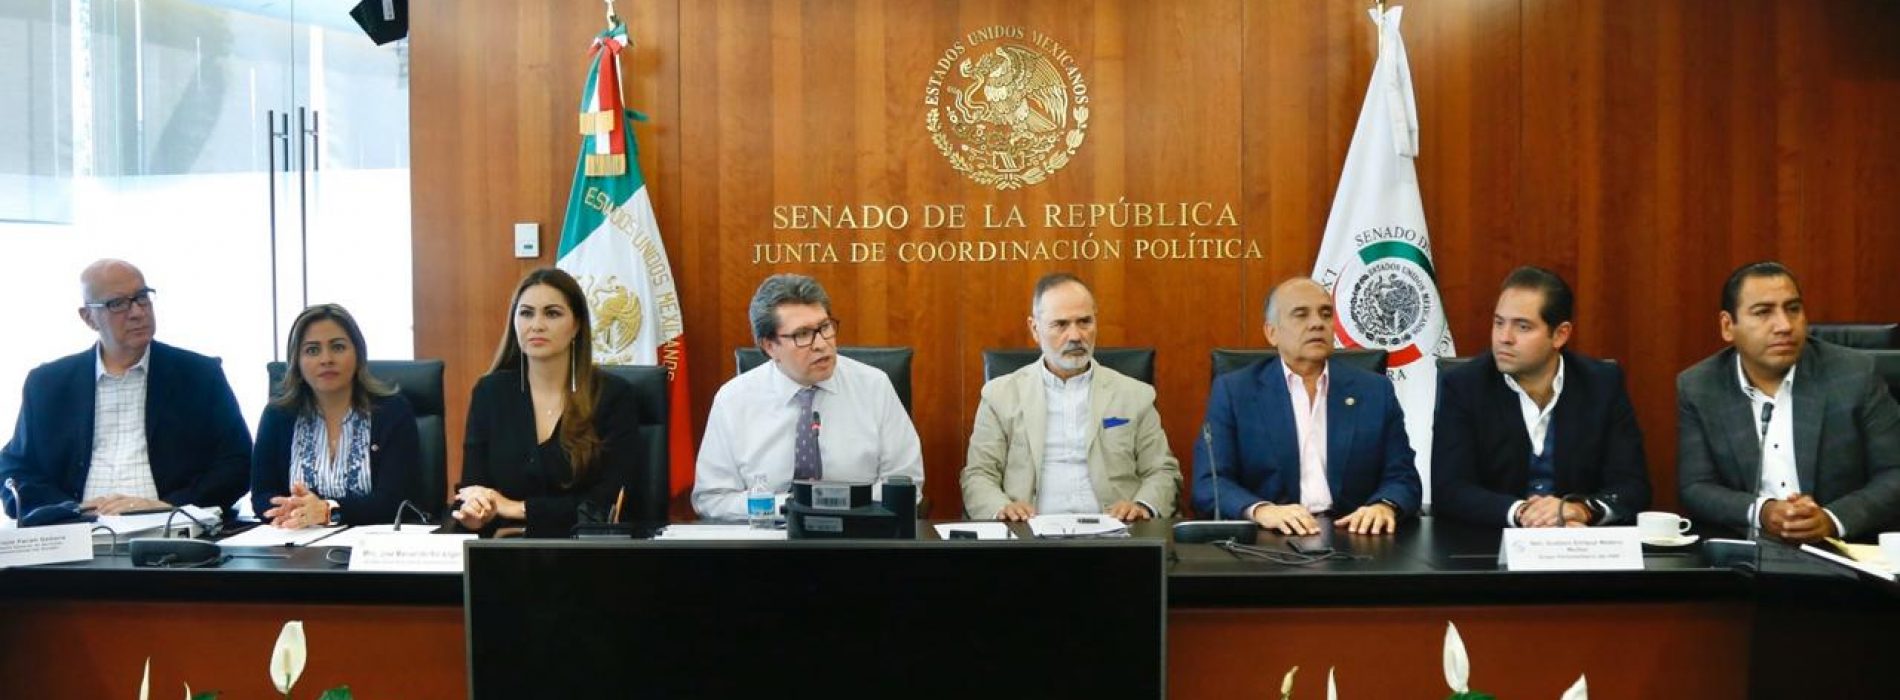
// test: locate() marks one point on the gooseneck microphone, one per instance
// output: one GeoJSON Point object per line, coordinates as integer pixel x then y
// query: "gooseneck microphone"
{"type": "Point", "coordinates": [19, 505]}
{"type": "Point", "coordinates": [1201, 531]}
{"type": "Point", "coordinates": [408, 506]}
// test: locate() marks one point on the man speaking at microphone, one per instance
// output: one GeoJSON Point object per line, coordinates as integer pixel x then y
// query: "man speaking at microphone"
{"type": "Point", "coordinates": [808, 413]}
{"type": "Point", "coordinates": [129, 424]}
{"type": "Point", "coordinates": [1065, 434]}
{"type": "Point", "coordinates": [1297, 437]}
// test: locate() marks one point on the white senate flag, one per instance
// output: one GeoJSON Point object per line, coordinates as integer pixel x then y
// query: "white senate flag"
{"type": "Point", "coordinates": [1376, 257]}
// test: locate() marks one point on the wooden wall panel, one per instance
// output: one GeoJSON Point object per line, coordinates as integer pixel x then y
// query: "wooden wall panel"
{"type": "Point", "coordinates": [1640, 149]}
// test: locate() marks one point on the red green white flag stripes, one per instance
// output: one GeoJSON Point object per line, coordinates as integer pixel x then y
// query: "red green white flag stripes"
{"type": "Point", "coordinates": [610, 243]}
{"type": "Point", "coordinates": [1376, 256]}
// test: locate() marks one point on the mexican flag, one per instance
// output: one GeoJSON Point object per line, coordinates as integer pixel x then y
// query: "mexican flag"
{"type": "Point", "coordinates": [611, 244]}
{"type": "Point", "coordinates": [1376, 257]}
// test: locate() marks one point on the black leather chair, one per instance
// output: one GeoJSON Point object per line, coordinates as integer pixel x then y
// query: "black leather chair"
{"type": "Point", "coordinates": [1134, 362]}
{"type": "Point", "coordinates": [894, 360]}
{"type": "Point", "coordinates": [650, 485]}
{"type": "Point", "coordinates": [1445, 364]}
{"type": "Point", "coordinates": [1230, 359]}
{"type": "Point", "coordinates": [1872, 336]}
{"type": "Point", "coordinates": [419, 381]}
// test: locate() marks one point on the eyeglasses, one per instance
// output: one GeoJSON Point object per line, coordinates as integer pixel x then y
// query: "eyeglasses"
{"type": "Point", "coordinates": [804, 338]}
{"type": "Point", "coordinates": [119, 305]}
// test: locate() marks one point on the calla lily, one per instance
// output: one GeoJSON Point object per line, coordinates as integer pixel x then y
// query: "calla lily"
{"type": "Point", "coordinates": [1457, 667]}
{"type": "Point", "coordinates": [1578, 691]}
{"type": "Point", "coordinates": [145, 683]}
{"type": "Point", "coordinates": [1332, 689]}
{"type": "Point", "coordinates": [1286, 684]}
{"type": "Point", "coordinates": [287, 659]}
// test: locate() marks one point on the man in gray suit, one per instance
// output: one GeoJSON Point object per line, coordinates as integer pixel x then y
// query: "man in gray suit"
{"type": "Point", "coordinates": [1784, 433]}
{"type": "Point", "coordinates": [1066, 435]}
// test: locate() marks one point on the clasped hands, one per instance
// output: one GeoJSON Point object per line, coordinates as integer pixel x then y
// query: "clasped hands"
{"type": "Point", "coordinates": [302, 508]}
{"type": "Point", "coordinates": [1551, 511]}
{"type": "Point", "coordinates": [1797, 518]}
{"type": "Point", "coordinates": [480, 506]}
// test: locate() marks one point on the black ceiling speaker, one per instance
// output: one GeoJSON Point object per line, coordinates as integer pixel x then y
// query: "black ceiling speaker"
{"type": "Point", "coordinates": [383, 20]}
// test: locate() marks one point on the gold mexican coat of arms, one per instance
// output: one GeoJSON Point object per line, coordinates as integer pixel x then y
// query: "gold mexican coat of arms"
{"type": "Point", "coordinates": [1006, 106]}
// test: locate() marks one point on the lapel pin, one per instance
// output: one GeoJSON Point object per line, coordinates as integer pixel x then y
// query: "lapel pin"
{"type": "Point", "coordinates": [1350, 401]}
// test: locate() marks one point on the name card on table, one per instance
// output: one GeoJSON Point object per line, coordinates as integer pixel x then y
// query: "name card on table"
{"type": "Point", "coordinates": [51, 544]}
{"type": "Point", "coordinates": [404, 552]}
{"type": "Point", "coordinates": [1571, 549]}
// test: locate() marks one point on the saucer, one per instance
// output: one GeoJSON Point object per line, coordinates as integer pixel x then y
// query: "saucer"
{"type": "Point", "coordinates": [1677, 541]}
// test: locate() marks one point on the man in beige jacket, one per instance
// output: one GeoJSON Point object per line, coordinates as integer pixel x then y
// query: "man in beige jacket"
{"type": "Point", "coordinates": [1065, 434]}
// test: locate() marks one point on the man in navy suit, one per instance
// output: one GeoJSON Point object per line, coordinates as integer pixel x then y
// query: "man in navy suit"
{"type": "Point", "coordinates": [1531, 433]}
{"type": "Point", "coordinates": [128, 424]}
{"type": "Point", "coordinates": [1297, 437]}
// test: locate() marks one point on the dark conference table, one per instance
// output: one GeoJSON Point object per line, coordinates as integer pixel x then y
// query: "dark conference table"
{"type": "Point", "coordinates": [1680, 628]}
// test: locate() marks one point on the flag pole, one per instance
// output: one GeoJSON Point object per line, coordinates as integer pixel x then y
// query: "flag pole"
{"type": "Point", "coordinates": [613, 19]}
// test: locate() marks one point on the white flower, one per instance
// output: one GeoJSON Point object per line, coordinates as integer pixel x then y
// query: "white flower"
{"type": "Point", "coordinates": [1578, 691]}
{"type": "Point", "coordinates": [1286, 684]}
{"type": "Point", "coordinates": [145, 684]}
{"type": "Point", "coordinates": [286, 660]}
{"type": "Point", "coordinates": [1332, 690]}
{"type": "Point", "coordinates": [1457, 667]}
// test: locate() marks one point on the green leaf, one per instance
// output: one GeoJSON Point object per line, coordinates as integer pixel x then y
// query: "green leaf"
{"type": "Point", "coordinates": [341, 692]}
{"type": "Point", "coordinates": [212, 695]}
{"type": "Point", "coordinates": [1473, 695]}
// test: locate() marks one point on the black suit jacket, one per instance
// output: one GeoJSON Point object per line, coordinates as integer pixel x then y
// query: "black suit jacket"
{"type": "Point", "coordinates": [198, 444]}
{"type": "Point", "coordinates": [395, 469]}
{"type": "Point", "coordinates": [499, 451]}
{"type": "Point", "coordinates": [1481, 452]}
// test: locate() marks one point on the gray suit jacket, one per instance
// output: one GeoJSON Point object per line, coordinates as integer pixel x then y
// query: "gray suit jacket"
{"type": "Point", "coordinates": [1128, 460]}
{"type": "Point", "coordinates": [1846, 440]}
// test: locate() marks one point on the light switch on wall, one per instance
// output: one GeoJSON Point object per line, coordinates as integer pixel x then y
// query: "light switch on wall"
{"type": "Point", "coordinates": [527, 240]}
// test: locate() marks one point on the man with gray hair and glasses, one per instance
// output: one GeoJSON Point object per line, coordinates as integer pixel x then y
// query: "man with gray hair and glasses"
{"type": "Point", "coordinates": [809, 413]}
{"type": "Point", "coordinates": [129, 424]}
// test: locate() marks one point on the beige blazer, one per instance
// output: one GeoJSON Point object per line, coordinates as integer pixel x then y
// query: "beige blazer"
{"type": "Point", "coordinates": [1128, 461]}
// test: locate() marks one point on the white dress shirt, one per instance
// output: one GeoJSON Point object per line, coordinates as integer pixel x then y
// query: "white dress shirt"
{"type": "Point", "coordinates": [1537, 425]}
{"type": "Point", "coordinates": [865, 435]}
{"type": "Point", "coordinates": [1063, 485]}
{"type": "Point", "coordinates": [1779, 477]}
{"type": "Point", "coordinates": [121, 463]}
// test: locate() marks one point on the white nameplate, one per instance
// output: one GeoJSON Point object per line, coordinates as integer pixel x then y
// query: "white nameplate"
{"type": "Point", "coordinates": [51, 544]}
{"type": "Point", "coordinates": [404, 552]}
{"type": "Point", "coordinates": [1572, 549]}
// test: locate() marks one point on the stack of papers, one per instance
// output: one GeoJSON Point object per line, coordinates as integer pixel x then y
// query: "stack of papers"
{"type": "Point", "coordinates": [718, 532]}
{"type": "Point", "coordinates": [354, 537]}
{"type": "Point", "coordinates": [273, 536]}
{"type": "Point", "coordinates": [984, 531]}
{"type": "Point", "coordinates": [1076, 525]}
{"type": "Point", "coordinates": [154, 524]}
{"type": "Point", "coordinates": [1865, 557]}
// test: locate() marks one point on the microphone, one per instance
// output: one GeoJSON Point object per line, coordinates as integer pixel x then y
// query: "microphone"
{"type": "Point", "coordinates": [165, 552]}
{"type": "Point", "coordinates": [207, 530]}
{"type": "Point", "coordinates": [411, 507]}
{"type": "Point", "coordinates": [1200, 531]}
{"type": "Point", "coordinates": [19, 505]}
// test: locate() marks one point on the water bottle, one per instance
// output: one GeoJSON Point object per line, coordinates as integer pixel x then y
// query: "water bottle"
{"type": "Point", "coordinates": [758, 503]}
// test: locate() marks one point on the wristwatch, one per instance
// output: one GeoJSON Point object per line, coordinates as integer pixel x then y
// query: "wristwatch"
{"type": "Point", "coordinates": [336, 513]}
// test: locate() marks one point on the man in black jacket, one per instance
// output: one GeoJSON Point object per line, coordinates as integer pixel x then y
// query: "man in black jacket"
{"type": "Point", "coordinates": [129, 424]}
{"type": "Point", "coordinates": [1531, 434]}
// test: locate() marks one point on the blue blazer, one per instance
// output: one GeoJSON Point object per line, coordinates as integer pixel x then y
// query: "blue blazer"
{"type": "Point", "coordinates": [395, 467]}
{"type": "Point", "coordinates": [1255, 443]}
{"type": "Point", "coordinates": [198, 444]}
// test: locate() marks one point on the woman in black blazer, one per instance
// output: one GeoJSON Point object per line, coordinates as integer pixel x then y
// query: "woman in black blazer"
{"type": "Point", "coordinates": [550, 440]}
{"type": "Point", "coordinates": [336, 445]}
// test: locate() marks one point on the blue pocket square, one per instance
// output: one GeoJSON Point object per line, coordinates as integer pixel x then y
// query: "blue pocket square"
{"type": "Point", "coordinates": [1112, 422]}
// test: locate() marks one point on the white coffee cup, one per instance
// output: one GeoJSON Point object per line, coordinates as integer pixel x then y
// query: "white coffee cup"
{"type": "Point", "coordinates": [1657, 525]}
{"type": "Point", "coordinates": [1890, 548]}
